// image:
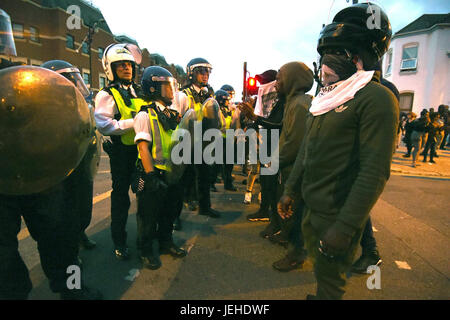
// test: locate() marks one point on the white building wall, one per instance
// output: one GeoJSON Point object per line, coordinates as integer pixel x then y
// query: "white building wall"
{"type": "Point", "coordinates": [430, 81]}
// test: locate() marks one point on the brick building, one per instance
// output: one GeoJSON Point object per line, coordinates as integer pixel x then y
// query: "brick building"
{"type": "Point", "coordinates": [48, 29]}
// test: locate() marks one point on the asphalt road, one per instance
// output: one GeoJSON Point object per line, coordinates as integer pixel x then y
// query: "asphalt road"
{"type": "Point", "coordinates": [228, 260]}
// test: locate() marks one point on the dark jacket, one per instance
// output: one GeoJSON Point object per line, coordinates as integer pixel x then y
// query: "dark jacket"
{"type": "Point", "coordinates": [345, 160]}
{"type": "Point", "coordinates": [296, 79]}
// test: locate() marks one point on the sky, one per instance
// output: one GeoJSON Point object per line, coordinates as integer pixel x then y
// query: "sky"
{"type": "Point", "coordinates": [265, 34]}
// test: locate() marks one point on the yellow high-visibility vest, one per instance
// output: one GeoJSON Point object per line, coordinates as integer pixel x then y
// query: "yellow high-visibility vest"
{"type": "Point", "coordinates": [126, 112]}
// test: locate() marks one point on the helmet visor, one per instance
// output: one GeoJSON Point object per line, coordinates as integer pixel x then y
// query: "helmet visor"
{"type": "Point", "coordinates": [75, 77]}
{"type": "Point", "coordinates": [7, 45]}
{"type": "Point", "coordinates": [169, 89]}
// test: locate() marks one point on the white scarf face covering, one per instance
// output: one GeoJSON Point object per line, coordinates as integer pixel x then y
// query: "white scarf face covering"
{"type": "Point", "coordinates": [332, 96]}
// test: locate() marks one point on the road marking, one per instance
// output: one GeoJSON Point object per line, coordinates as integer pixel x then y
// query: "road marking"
{"type": "Point", "coordinates": [403, 265]}
{"type": "Point", "coordinates": [24, 233]}
{"type": "Point", "coordinates": [103, 172]}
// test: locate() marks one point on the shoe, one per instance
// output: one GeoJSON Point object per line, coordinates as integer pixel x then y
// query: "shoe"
{"type": "Point", "coordinates": [248, 197]}
{"type": "Point", "coordinates": [230, 187]}
{"type": "Point", "coordinates": [85, 293]}
{"type": "Point", "coordinates": [210, 213]}
{"type": "Point", "coordinates": [213, 188]}
{"type": "Point", "coordinates": [258, 216]}
{"type": "Point", "coordinates": [177, 224]}
{"type": "Point", "coordinates": [192, 206]}
{"type": "Point", "coordinates": [366, 260]}
{"type": "Point", "coordinates": [432, 161]}
{"type": "Point", "coordinates": [173, 250]}
{"type": "Point", "coordinates": [267, 232]}
{"type": "Point", "coordinates": [122, 253]}
{"type": "Point", "coordinates": [151, 262]}
{"type": "Point", "coordinates": [406, 156]}
{"type": "Point", "coordinates": [278, 238]}
{"type": "Point", "coordinates": [288, 264]}
{"type": "Point", "coordinates": [87, 243]}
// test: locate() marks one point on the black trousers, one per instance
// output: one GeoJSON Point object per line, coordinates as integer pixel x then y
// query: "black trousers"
{"type": "Point", "coordinates": [123, 164]}
{"type": "Point", "coordinates": [368, 242]}
{"type": "Point", "coordinates": [81, 188]}
{"type": "Point", "coordinates": [269, 186]}
{"type": "Point", "coordinates": [203, 176]}
{"type": "Point", "coordinates": [55, 227]}
{"type": "Point", "coordinates": [155, 216]}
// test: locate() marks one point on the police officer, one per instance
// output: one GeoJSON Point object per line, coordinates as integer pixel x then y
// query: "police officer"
{"type": "Point", "coordinates": [39, 154]}
{"type": "Point", "coordinates": [115, 106]}
{"type": "Point", "coordinates": [160, 201]}
{"type": "Point", "coordinates": [197, 91]}
{"type": "Point", "coordinates": [81, 182]}
{"type": "Point", "coordinates": [223, 98]}
{"type": "Point", "coordinates": [344, 162]}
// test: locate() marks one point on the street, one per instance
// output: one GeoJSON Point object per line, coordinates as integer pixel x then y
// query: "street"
{"type": "Point", "coordinates": [229, 260]}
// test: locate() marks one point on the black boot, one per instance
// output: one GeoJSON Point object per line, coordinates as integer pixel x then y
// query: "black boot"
{"type": "Point", "coordinates": [371, 258]}
{"type": "Point", "coordinates": [152, 260]}
{"type": "Point", "coordinates": [293, 260]}
{"type": "Point", "coordinates": [87, 243]}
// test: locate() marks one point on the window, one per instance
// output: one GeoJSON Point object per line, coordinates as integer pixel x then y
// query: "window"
{"type": "Point", "coordinates": [100, 52]}
{"type": "Point", "coordinates": [84, 48]}
{"type": "Point", "coordinates": [102, 82]}
{"type": "Point", "coordinates": [70, 42]}
{"type": "Point", "coordinates": [18, 30]}
{"type": "Point", "coordinates": [406, 101]}
{"type": "Point", "coordinates": [409, 58]}
{"type": "Point", "coordinates": [388, 63]}
{"type": "Point", "coordinates": [34, 34]}
{"type": "Point", "coordinates": [86, 78]}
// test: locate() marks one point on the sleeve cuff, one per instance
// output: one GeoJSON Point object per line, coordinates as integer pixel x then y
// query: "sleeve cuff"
{"type": "Point", "coordinates": [142, 136]}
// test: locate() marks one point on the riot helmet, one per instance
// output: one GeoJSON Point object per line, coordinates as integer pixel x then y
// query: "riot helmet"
{"type": "Point", "coordinates": [118, 53]}
{"type": "Point", "coordinates": [7, 46]}
{"type": "Point", "coordinates": [159, 84]}
{"type": "Point", "coordinates": [196, 67]}
{"type": "Point", "coordinates": [222, 97]}
{"type": "Point", "coordinates": [70, 72]}
{"type": "Point", "coordinates": [362, 29]}
{"type": "Point", "coordinates": [228, 89]}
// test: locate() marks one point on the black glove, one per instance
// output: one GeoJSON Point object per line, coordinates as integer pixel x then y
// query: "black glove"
{"type": "Point", "coordinates": [154, 183]}
{"type": "Point", "coordinates": [334, 243]}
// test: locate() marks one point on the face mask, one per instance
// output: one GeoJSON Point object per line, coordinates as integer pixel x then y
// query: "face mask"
{"type": "Point", "coordinates": [340, 65]}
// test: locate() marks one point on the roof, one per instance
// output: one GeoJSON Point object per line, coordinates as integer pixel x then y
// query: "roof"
{"type": "Point", "coordinates": [89, 13]}
{"type": "Point", "coordinates": [424, 22]}
{"type": "Point", "coordinates": [125, 39]}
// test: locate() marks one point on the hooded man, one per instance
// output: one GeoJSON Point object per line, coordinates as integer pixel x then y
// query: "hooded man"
{"type": "Point", "coordinates": [293, 80]}
{"type": "Point", "coordinates": [344, 162]}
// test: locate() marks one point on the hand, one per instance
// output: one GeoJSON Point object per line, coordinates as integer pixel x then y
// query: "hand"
{"type": "Point", "coordinates": [285, 207]}
{"type": "Point", "coordinates": [247, 110]}
{"type": "Point", "coordinates": [153, 182]}
{"type": "Point", "coordinates": [334, 242]}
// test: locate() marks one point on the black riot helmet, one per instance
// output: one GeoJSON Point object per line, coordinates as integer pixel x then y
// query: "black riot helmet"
{"type": "Point", "coordinates": [229, 89]}
{"type": "Point", "coordinates": [159, 84]}
{"type": "Point", "coordinates": [7, 45]}
{"type": "Point", "coordinates": [222, 97]}
{"type": "Point", "coordinates": [198, 65]}
{"type": "Point", "coordinates": [362, 29]}
{"type": "Point", "coordinates": [70, 72]}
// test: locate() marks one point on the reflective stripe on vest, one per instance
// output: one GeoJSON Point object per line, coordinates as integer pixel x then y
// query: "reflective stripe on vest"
{"type": "Point", "coordinates": [126, 113]}
{"type": "Point", "coordinates": [197, 106]}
